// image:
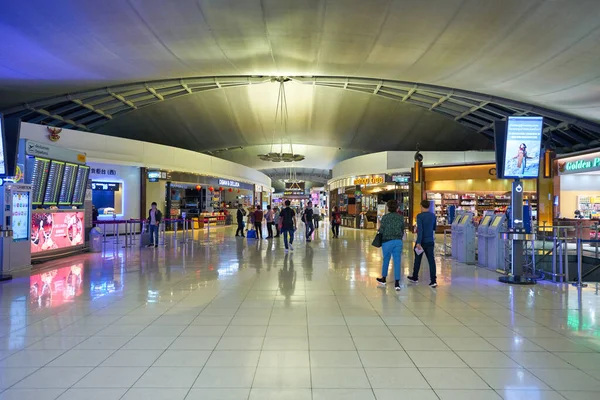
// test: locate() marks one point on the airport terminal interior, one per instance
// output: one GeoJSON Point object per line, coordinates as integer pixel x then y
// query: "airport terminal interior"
{"type": "Point", "coordinates": [157, 159]}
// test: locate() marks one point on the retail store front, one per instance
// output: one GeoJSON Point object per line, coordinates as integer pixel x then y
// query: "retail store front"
{"type": "Point", "coordinates": [203, 199]}
{"type": "Point", "coordinates": [359, 198]}
{"type": "Point", "coordinates": [577, 186]}
{"type": "Point", "coordinates": [473, 188]}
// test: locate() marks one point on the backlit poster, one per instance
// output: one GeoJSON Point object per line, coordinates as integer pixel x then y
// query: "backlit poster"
{"type": "Point", "coordinates": [523, 147]}
{"type": "Point", "coordinates": [20, 215]}
{"type": "Point", "coordinates": [56, 230]}
{"type": "Point", "coordinates": [55, 287]}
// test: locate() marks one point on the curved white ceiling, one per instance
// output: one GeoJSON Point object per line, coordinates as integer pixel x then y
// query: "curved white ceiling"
{"type": "Point", "coordinates": [540, 52]}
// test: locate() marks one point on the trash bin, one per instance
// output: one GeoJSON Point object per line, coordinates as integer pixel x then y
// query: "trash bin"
{"type": "Point", "coordinates": [96, 240]}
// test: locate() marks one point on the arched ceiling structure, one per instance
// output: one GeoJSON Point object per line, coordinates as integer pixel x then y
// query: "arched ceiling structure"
{"type": "Point", "coordinates": [367, 75]}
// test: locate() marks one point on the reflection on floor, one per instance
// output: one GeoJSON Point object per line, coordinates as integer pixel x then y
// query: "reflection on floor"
{"type": "Point", "coordinates": [227, 318]}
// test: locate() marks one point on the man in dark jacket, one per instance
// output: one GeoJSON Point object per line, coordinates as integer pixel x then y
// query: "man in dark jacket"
{"type": "Point", "coordinates": [154, 218]}
{"type": "Point", "coordinates": [241, 213]}
{"type": "Point", "coordinates": [425, 244]}
{"type": "Point", "coordinates": [308, 219]}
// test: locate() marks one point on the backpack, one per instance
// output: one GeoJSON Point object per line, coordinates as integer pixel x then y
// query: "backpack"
{"type": "Point", "coordinates": [338, 219]}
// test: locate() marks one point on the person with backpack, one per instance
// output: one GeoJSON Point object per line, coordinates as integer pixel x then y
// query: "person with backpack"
{"type": "Point", "coordinates": [391, 229]}
{"type": "Point", "coordinates": [336, 221]}
{"type": "Point", "coordinates": [308, 219]}
{"type": "Point", "coordinates": [287, 225]}
{"type": "Point", "coordinates": [241, 213]}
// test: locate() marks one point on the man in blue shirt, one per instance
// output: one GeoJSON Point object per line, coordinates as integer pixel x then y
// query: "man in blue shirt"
{"type": "Point", "coordinates": [425, 243]}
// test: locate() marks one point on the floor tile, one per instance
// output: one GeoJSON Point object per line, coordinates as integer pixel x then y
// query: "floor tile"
{"type": "Point", "coordinates": [394, 394]}
{"type": "Point", "coordinates": [149, 343]}
{"type": "Point", "coordinates": [540, 359]}
{"type": "Point", "coordinates": [329, 343]}
{"type": "Point", "coordinates": [103, 343]}
{"type": "Point", "coordinates": [31, 394]}
{"type": "Point", "coordinates": [530, 394]}
{"type": "Point", "coordinates": [411, 331]}
{"type": "Point", "coordinates": [93, 394]}
{"type": "Point", "coordinates": [283, 343]}
{"type": "Point", "coordinates": [468, 344]}
{"type": "Point", "coordinates": [513, 378]}
{"type": "Point", "coordinates": [182, 358]}
{"type": "Point", "coordinates": [343, 394]}
{"type": "Point", "coordinates": [396, 378]}
{"type": "Point", "coordinates": [453, 378]}
{"type": "Point", "coordinates": [81, 358]}
{"type": "Point", "coordinates": [423, 344]}
{"type": "Point", "coordinates": [435, 359]}
{"type": "Point", "coordinates": [229, 377]}
{"type": "Point", "coordinates": [235, 358]}
{"type": "Point", "coordinates": [567, 379]}
{"type": "Point", "coordinates": [199, 330]}
{"type": "Point", "coordinates": [169, 377]}
{"type": "Point", "coordinates": [582, 360]}
{"type": "Point", "coordinates": [10, 376]}
{"type": "Point", "coordinates": [340, 359]}
{"type": "Point", "coordinates": [53, 378]}
{"type": "Point", "coordinates": [240, 343]}
{"type": "Point", "coordinates": [31, 358]}
{"type": "Point", "coordinates": [288, 377]}
{"type": "Point", "coordinates": [218, 394]}
{"type": "Point", "coordinates": [285, 359]}
{"type": "Point", "coordinates": [155, 394]}
{"type": "Point", "coordinates": [487, 359]}
{"type": "Point", "coordinates": [376, 343]}
{"type": "Point", "coordinates": [280, 394]}
{"type": "Point", "coordinates": [339, 378]}
{"type": "Point", "coordinates": [454, 394]}
{"type": "Point", "coordinates": [384, 359]}
{"type": "Point", "coordinates": [132, 358]}
{"type": "Point", "coordinates": [194, 343]}
{"type": "Point", "coordinates": [111, 377]}
{"type": "Point", "coordinates": [577, 395]}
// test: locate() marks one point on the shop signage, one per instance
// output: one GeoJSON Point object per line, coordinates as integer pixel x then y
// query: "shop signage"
{"type": "Point", "coordinates": [106, 186]}
{"type": "Point", "coordinates": [53, 152]}
{"type": "Point", "coordinates": [369, 180]}
{"type": "Point", "coordinates": [584, 164]}
{"type": "Point", "coordinates": [401, 178]}
{"type": "Point", "coordinates": [155, 176]}
{"type": "Point", "coordinates": [102, 171]}
{"type": "Point", "coordinates": [227, 182]}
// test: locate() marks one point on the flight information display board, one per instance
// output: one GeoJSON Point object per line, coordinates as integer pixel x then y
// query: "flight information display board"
{"type": "Point", "coordinates": [83, 173]}
{"type": "Point", "coordinates": [38, 179]}
{"type": "Point", "coordinates": [55, 175]}
{"type": "Point", "coordinates": [67, 186]}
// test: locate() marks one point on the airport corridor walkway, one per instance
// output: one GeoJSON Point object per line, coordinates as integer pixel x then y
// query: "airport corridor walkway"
{"type": "Point", "coordinates": [222, 318]}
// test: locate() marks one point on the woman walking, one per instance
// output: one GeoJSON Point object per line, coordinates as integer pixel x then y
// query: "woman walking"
{"type": "Point", "coordinates": [391, 229]}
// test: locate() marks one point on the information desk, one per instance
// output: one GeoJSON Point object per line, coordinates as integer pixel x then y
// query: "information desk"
{"type": "Point", "coordinates": [56, 232]}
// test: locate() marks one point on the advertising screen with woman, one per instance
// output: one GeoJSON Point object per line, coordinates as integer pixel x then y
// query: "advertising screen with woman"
{"type": "Point", "coordinates": [523, 147]}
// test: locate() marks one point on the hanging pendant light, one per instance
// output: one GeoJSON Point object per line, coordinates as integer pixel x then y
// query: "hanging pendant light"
{"type": "Point", "coordinates": [286, 152]}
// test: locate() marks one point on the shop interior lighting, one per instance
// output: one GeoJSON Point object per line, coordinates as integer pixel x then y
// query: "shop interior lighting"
{"type": "Point", "coordinates": [286, 151]}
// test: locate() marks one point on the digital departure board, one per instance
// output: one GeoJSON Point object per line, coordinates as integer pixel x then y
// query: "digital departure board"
{"type": "Point", "coordinates": [68, 184]}
{"type": "Point", "coordinates": [80, 185]}
{"type": "Point", "coordinates": [38, 179]}
{"type": "Point", "coordinates": [55, 175]}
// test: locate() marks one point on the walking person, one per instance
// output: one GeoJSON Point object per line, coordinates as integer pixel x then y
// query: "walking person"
{"type": "Point", "coordinates": [425, 244]}
{"type": "Point", "coordinates": [308, 219]}
{"type": "Point", "coordinates": [270, 217]}
{"type": "Point", "coordinates": [336, 221]}
{"type": "Point", "coordinates": [154, 218]}
{"type": "Point", "coordinates": [258, 220]}
{"type": "Point", "coordinates": [391, 229]}
{"type": "Point", "coordinates": [276, 220]}
{"type": "Point", "coordinates": [240, 221]}
{"type": "Point", "coordinates": [287, 221]}
{"type": "Point", "coordinates": [316, 217]}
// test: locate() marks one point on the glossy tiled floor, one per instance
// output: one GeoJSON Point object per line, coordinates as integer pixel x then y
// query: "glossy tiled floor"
{"type": "Point", "coordinates": [224, 318]}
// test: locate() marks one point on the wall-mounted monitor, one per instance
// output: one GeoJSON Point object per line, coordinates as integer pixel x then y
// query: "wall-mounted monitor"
{"type": "Point", "coordinates": [523, 147]}
{"type": "Point", "coordinates": [55, 177]}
